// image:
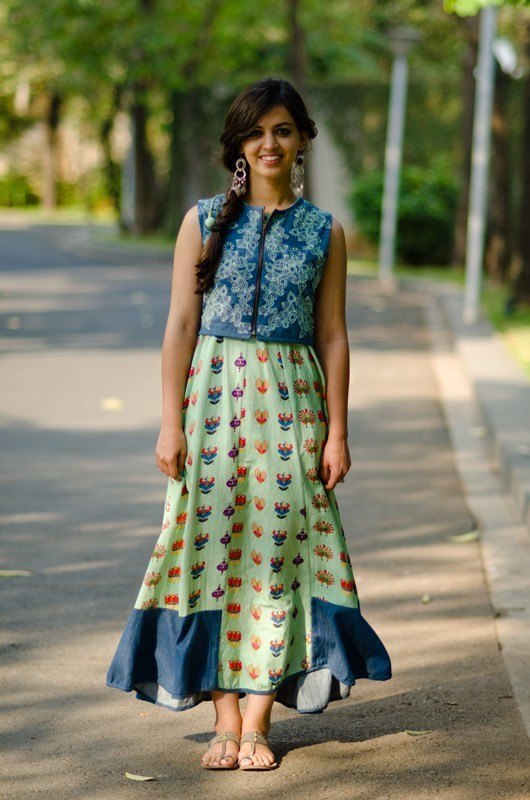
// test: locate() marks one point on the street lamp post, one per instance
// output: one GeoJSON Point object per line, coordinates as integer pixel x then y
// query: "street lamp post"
{"type": "Point", "coordinates": [485, 75]}
{"type": "Point", "coordinates": [401, 40]}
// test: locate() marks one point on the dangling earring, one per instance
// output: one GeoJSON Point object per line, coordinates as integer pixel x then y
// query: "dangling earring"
{"type": "Point", "coordinates": [297, 174]}
{"type": "Point", "coordinates": [239, 178]}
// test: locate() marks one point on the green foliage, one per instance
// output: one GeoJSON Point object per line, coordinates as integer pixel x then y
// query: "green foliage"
{"type": "Point", "coordinates": [513, 326]}
{"type": "Point", "coordinates": [468, 8]}
{"type": "Point", "coordinates": [16, 191]}
{"type": "Point", "coordinates": [427, 206]}
{"type": "Point", "coordinates": [91, 52]}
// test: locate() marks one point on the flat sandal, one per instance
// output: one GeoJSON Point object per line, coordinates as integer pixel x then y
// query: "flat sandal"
{"type": "Point", "coordinates": [253, 737]}
{"type": "Point", "coordinates": [224, 737]}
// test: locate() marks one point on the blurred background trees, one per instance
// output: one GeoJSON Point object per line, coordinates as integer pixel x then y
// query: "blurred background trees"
{"type": "Point", "coordinates": [119, 106]}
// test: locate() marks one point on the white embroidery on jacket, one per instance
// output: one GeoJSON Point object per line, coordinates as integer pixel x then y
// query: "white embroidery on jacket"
{"type": "Point", "coordinates": [293, 258]}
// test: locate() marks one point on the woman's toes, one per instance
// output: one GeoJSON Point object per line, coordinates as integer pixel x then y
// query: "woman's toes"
{"type": "Point", "coordinates": [262, 757]}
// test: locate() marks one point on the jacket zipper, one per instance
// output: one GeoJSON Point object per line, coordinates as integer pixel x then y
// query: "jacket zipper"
{"type": "Point", "coordinates": [260, 261]}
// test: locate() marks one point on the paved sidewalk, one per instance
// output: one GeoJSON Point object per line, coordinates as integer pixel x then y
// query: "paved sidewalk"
{"type": "Point", "coordinates": [504, 534]}
{"type": "Point", "coordinates": [82, 506]}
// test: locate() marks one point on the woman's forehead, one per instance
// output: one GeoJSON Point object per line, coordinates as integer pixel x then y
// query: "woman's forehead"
{"type": "Point", "coordinates": [276, 115]}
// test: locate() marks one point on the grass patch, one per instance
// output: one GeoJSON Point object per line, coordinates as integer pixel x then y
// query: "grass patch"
{"type": "Point", "coordinates": [369, 267]}
{"type": "Point", "coordinates": [58, 216]}
{"type": "Point", "coordinates": [513, 327]}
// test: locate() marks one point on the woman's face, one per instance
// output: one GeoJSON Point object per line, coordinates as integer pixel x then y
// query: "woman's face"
{"type": "Point", "coordinates": [272, 147]}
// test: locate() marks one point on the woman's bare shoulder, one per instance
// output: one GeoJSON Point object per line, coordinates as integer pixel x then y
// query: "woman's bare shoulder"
{"type": "Point", "coordinates": [337, 240]}
{"type": "Point", "coordinates": [190, 225]}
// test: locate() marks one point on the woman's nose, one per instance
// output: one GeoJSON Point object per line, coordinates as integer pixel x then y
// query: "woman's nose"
{"type": "Point", "coordinates": [270, 140]}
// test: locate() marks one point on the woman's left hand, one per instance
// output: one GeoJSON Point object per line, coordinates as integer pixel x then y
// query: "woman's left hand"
{"type": "Point", "coordinates": [335, 461]}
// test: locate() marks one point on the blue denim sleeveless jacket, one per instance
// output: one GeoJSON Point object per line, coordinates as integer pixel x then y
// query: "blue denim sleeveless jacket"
{"type": "Point", "coordinates": [266, 280]}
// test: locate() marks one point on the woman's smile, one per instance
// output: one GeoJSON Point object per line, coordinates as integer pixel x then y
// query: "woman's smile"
{"type": "Point", "coordinates": [271, 159]}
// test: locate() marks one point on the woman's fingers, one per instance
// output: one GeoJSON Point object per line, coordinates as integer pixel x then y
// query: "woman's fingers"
{"type": "Point", "coordinates": [331, 475]}
{"type": "Point", "coordinates": [324, 471]}
{"type": "Point", "coordinates": [172, 467]}
{"type": "Point", "coordinates": [181, 460]}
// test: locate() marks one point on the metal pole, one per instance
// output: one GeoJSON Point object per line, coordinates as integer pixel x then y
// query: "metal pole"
{"type": "Point", "coordinates": [402, 42]}
{"type": "Point", "coordinates": [476, 221]}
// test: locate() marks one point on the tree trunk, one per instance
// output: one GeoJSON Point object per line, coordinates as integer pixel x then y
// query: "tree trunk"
{"type": "Point", "coordinates": [187, 173]}
{"type": "Point", "coordinates": [498, 249]}
{"type": "Point", "coordinates": [468, 98]}
{"type": "Point", "coordinates": [145, 193]}
{"type": "Point", "coordinates": [174, 201]}
{"type": "Point", "coordinates": [111, 167]}
{"type": "Point", "coordinates": [522, 281]}
{"type": "Point", "coordinates": [297, 67]}
{"type": "Point", "coordinates": [49, 154]}
{"type": "Point", "coordinates": [187, 169]}
{"type": "Point", "coordinates": [193, 167]}
{"type": "Point", "coordinates": [145, 213]}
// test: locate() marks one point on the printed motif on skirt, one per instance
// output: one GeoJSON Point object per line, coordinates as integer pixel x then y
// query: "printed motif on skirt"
{"type": "Point", "coordinates": [250, 582]}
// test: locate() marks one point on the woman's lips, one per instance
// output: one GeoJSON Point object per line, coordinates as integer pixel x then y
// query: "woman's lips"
{"type": "Point", "coordinates": [273, 161]}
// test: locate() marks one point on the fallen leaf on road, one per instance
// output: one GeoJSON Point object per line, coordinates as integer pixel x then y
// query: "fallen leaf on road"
{"type": "Point", "coordinates": [426, 598]}
{"type": "Point", "coordinates": [140, 777]}
{"type": "Point", "coordinates": [461, 538]}
{"type": "Point", "coordinates": [416, 733]}
{"type": "Point", "coordinates": [10, 573]}
{"type": "Point", "coordinates": [446, 702]}
{"type": "Point", "coordinates": [111, 403]}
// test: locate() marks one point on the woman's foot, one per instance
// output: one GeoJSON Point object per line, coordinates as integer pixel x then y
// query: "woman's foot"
{"type": "Point", "coordinates": [212, 757]}
{"type": "Point", "coordinates": [263, 756]}
{"type": "Point", "coordinates": [227, 721]}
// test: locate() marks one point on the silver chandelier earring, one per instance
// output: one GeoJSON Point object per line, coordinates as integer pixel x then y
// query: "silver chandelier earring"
{"type": "Point", "coordinates": [240, 176]}
{"type": "Point", "coordinates": [297, 174]}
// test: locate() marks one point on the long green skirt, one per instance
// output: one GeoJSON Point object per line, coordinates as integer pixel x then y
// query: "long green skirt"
{"type": "Point", "coordinates": [250, 586]}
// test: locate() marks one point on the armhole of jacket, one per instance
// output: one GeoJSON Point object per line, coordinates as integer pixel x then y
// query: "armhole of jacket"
{"type": "Point", "coordinates": [326, 238]}
{"type": "Point", "coordinates": [203, 207]}
{"type": "Point", "coordinates": [201, 214]}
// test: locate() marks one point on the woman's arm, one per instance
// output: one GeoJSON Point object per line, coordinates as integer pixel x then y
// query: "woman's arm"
{"type": "Point", "coordinates": [333, 351]}
{"type": "Point", "coordinates": [179, 342]}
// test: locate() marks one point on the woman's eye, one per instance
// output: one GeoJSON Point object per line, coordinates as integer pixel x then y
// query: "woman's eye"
{"type": "Point", "coordinates": [280, 131]}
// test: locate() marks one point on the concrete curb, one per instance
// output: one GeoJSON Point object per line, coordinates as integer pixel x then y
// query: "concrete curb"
{"type": "Point", "coordinates": [505, 547]}
{"type": "Point", "coordinates": [501, 390]}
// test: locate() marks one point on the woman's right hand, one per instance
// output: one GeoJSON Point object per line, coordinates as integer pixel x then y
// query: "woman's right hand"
{"type": "Point", "coordinates": [170, 450]}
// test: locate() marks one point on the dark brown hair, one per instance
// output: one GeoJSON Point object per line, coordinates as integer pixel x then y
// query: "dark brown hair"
{"type": "Point", "coordinates": [248, 108]}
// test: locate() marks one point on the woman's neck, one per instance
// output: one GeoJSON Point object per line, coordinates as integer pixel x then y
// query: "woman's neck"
{"type": "Point", "coordinates": [270, 196]}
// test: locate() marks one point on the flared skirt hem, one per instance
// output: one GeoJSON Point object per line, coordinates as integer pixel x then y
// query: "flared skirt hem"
{"type": "Point", "coordinates": [333, 690]}
{"type": "Point", "coordinates": [160, 649]}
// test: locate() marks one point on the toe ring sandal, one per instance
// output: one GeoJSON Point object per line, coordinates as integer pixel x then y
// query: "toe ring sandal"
{"type": "Point", "coordinates": [224, 737]}
{"type": "Point", "coordinates": [253, 737]}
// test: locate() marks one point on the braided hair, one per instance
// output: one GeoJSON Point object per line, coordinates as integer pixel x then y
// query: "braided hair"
{"type": "Point", "coordinates": [248, 108]}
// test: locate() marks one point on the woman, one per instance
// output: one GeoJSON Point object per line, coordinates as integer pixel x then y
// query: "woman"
{"type": "Point", "coordinates": [250, 589]}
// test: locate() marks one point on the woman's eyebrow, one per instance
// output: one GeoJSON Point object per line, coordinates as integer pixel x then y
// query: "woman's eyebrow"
{"type": "Point", "coordinates": [276, 124]}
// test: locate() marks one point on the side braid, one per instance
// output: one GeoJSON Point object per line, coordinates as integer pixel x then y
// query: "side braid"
{"type": "Point", "coordinates": [213, 249]}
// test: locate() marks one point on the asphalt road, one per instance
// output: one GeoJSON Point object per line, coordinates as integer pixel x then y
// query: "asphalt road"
{"type": "Point", "coordinates": [81, 506]}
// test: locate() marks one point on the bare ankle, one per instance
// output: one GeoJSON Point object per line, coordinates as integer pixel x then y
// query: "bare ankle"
{"type": "Point", "coordinates": [261, 725]}
{"type": "Point", "coordinates": [228, 723]}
